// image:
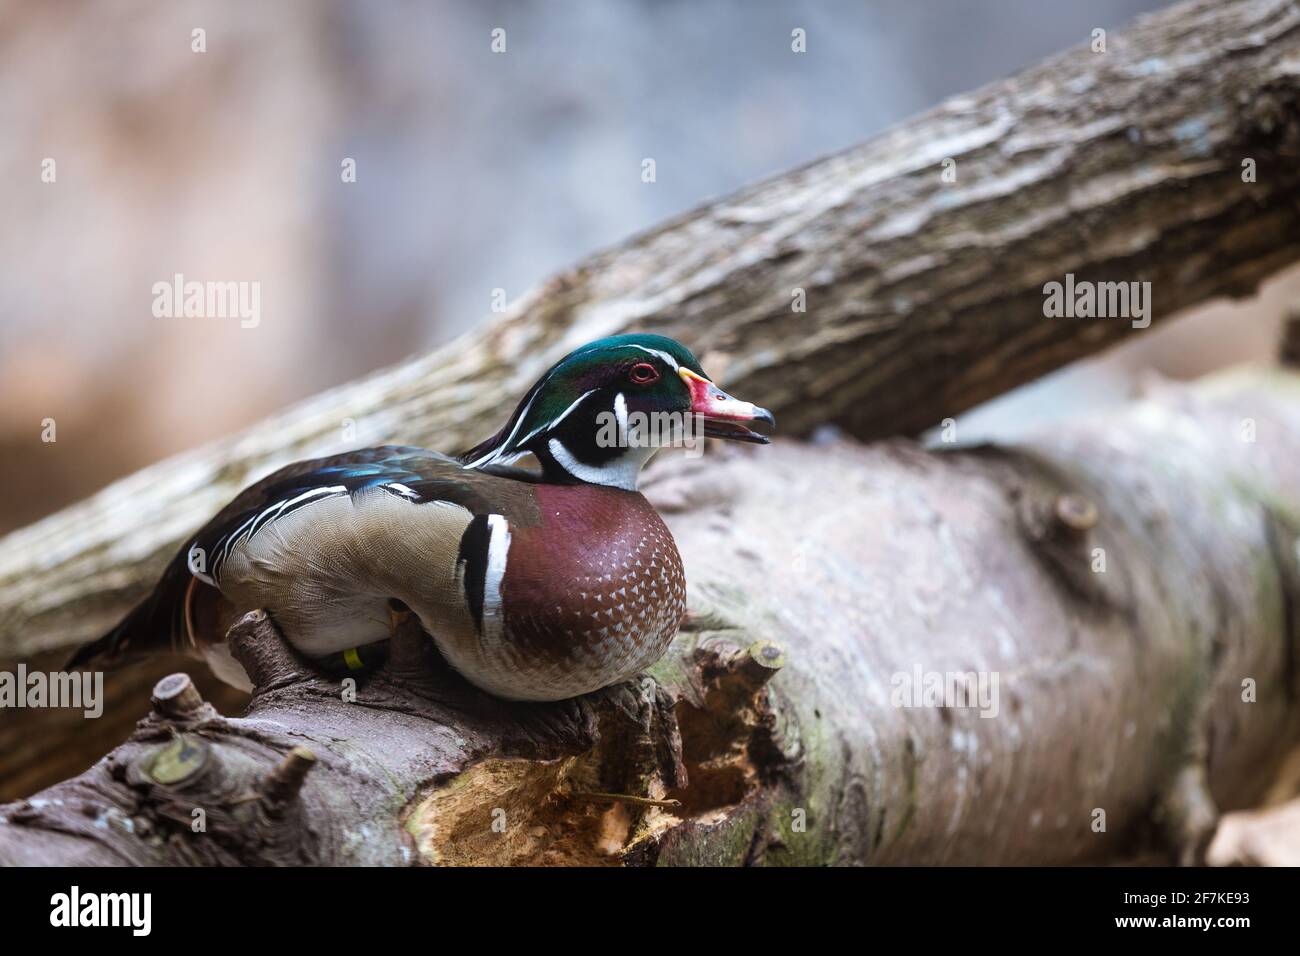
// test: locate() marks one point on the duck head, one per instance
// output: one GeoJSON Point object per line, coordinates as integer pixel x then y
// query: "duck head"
{"type": "Point", "coordinates": [601, 412]}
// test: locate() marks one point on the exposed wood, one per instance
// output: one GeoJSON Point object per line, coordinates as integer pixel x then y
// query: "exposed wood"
{"type": "Point", "coordinates": [923, 296]}
{"type": "Point", "coordinates": [1265, 837]}
{"type": "Point", "coordinates": [1119, 690]}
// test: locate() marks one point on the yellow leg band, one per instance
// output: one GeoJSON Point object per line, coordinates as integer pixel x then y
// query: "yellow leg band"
{"type": "Point", "coordinates": [352, 659]}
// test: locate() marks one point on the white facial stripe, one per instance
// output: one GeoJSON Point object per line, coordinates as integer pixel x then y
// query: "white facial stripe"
{"type": "Point", "coordinates": [498, 549]}
{"type": "Point", "coordinates": [496, 452]}
{"type": "Point", "coordinates": [620, 412]}
{"type": "Point", "coordinates": [563, 415]}
{"type": "Point", "coordinates": [490, 457]}
{"type": "Point", "coordinates": [500, 449]}
{"type": "Point", "coordinates": [631, 345]}
{"type": "Point", "coordinates": [663, 355]}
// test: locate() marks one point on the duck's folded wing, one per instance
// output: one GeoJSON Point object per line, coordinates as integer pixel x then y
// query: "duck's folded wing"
{"type": "Point", "coordinates": [160, 622]}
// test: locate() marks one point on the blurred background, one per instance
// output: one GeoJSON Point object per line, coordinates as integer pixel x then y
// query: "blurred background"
{"type": "Point", "coordinates": [474, 171]}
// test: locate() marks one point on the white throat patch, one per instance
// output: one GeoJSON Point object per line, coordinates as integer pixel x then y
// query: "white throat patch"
{"type": "Point", "coordinates": [621, 472]}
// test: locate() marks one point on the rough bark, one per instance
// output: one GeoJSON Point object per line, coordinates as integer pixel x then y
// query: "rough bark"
{"type": "Point", "coordinates": [923, 296]}
{"type": "Point", "coordinates": [817, 573]}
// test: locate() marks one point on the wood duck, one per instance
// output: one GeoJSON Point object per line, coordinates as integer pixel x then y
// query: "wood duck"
{"type": "Point", "coordinates": [534, 583]}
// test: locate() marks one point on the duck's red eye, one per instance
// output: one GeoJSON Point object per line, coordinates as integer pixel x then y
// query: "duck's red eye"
{"type": "Point", "coordinates": [643, 373]}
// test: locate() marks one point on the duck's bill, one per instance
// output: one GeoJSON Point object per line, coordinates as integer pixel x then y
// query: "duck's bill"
{"type": "Point", "coordinates": [734, 431]}
{"type": "Point", "coordinates": [724, 416]}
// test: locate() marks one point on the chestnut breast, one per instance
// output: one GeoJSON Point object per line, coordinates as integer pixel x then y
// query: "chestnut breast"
{"type": "Point", "coordinates": [592, 592]}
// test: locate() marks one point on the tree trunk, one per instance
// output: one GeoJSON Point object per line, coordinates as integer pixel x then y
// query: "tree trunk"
{"type": "Point", "coordinates": [1120, 580]}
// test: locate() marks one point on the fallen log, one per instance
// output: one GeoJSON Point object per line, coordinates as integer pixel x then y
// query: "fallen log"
{"type": "Point", "coordinates": [1127, 585]}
